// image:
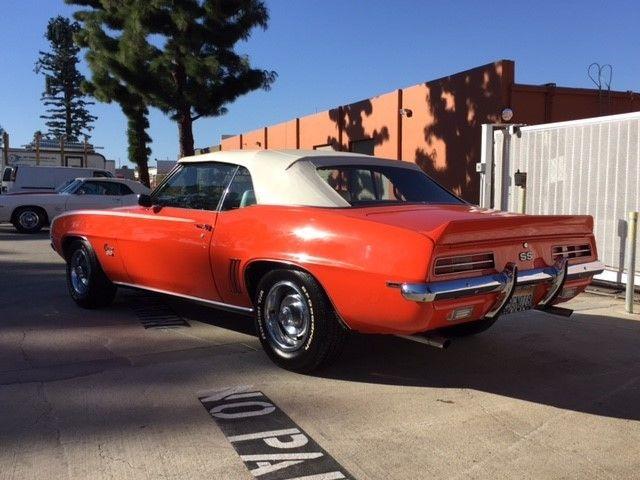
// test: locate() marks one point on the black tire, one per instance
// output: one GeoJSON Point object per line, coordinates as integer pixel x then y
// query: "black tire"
{"type": "Point", "coordinates": [469, 328]}
{"type": "Point", "coordinates": [91, 288]}
{"type": "Point", "coordinates": [324, 336]}
{"type": "Point", "coordinates": [29, 219]}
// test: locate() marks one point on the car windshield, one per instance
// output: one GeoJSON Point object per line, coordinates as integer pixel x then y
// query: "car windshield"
{"type": "Point", "coordinates": [381, 185]}
{"type": "Point", "coordinates": [69, 186]}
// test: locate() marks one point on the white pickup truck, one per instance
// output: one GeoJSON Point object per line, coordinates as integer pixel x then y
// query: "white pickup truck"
{"type": "Point", "coordinates": [29, 212]}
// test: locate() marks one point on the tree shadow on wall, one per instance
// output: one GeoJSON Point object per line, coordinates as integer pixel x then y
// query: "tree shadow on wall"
{"type": "Point", "coordinates": [349, 119]}
{"type": "Point", "coordinates": [459, 106]}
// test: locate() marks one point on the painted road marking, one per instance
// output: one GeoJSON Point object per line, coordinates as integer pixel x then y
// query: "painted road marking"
{"type": "Point", "coordinates": [270, 444]}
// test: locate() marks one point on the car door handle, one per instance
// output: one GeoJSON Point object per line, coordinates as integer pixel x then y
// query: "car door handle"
{"type": "Point", "coordinates": [204, 226]}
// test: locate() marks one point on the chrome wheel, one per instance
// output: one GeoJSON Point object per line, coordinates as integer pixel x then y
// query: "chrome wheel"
{"type": "Point", "coordinates": [28, 219]}
{"type": "Point", "coordinates": [287, 315]}
{"type": "Point", "coordinates": [80, 271]}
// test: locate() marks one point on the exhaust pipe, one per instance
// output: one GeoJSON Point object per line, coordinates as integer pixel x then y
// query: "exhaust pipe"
{"type": "Point", "coordinates": [437, 341]}
{"type": "Point", "coordinates": [554, 310]}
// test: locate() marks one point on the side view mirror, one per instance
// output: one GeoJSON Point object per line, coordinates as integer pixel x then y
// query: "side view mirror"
{"type": "Point", "coordinates": [144, 200]}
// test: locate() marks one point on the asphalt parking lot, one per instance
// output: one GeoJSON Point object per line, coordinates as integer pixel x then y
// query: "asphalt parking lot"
{"type": "Point", "coordinates": [94, 394]}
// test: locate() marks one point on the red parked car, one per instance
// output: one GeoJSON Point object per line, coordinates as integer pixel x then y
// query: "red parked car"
{"type": "Point", "coordinates": [317, 243]}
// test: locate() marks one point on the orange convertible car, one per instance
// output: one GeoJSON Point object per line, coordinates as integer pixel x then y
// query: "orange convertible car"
{"type": "Point", "coordinates": [318, 243]}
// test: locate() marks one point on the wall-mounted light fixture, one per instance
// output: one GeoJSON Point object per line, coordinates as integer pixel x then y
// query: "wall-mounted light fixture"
{"type": "Point", "coordinates": [506, 114]}
{"type": "Point", "coordinates": [259, 144]}
{"type": "Point", "coordinates": [406, 112]}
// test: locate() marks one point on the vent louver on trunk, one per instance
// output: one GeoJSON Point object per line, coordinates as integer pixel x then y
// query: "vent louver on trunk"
{"type": "Point", "coordinates": [464, 263]}
{"type": "Point", "coordinates": [571, 251]}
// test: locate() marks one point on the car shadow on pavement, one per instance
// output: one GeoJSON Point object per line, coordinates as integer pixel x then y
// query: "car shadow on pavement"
{"type": "Point", "coordinates": [219, 318]}
{"type": "Point", "coordinates": [11, 234]}
{"type": "Point", "coordinates": [588, 364]}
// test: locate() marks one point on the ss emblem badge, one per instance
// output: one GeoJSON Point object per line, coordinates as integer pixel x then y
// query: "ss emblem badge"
{"type": "Point", "coordinates": [526, 256]}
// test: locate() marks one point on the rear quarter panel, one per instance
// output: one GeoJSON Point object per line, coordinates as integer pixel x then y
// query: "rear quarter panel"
{"type": "Point", "coordinates": [353, 259]}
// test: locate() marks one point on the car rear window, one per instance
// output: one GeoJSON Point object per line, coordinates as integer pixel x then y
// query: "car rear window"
{"type": "Point", "coordinates": [379, 185]}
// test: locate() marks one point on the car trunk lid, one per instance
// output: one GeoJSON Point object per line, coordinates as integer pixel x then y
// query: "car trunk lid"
{"type": "Point", "coordinates": [460, 224]}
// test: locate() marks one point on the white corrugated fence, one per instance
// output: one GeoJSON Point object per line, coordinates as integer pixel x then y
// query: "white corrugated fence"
{"type": "Point", "coordinates": [589, 166]}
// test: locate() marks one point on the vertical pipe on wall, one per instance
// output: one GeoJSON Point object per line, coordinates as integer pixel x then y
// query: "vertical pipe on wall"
{"type": "Point", "coordinates": [297, 133]}
{"type": "Point", "coordinates": [399, 143]}
{"type": "Point", "coordinates": [340, 126]}
{"type": "Point", "coordinates": [507, 79]}
{"type": "Point", "coordinates": [548, 102]}
{"type": "Point", "coordinates": [632, 236]}
{"type": "Point", "coordinates": [241, 142]}
{"type": "Point", "coordinates": [522, 205]}
{"type": "Point", "coordinates": [266, 145]}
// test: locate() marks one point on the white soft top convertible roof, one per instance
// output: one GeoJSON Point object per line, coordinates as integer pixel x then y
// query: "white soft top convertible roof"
{"type": "Point", "coordinates": [288, 177]}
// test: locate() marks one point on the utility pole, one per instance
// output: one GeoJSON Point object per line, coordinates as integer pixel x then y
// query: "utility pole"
{"type": "Point", "coordinates": [62, 140]}
{"type": "Point", "coordinates": [85, 149]}
{"type": "Point", "coordinates": [5, 151]}
{"type": "Point", "coordinates": [37, 142]}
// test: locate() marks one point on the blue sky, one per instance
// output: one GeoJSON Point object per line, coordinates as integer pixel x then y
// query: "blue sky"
{"type": "Point", "coordinates": [332, 52]}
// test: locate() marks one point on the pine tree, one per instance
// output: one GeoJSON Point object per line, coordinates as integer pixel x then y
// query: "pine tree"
{"type": "Point", "coordinates": [62, 97]}
{"type": "Point", "coordinates": [191, 69]}
{"type": "Point", "coordinates": [112, 59]}
{"type": "Point", "coordinates": [197, 72]}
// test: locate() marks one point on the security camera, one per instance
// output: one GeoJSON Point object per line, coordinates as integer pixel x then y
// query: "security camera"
{"type": "Point", "coordinates": [406, 112]}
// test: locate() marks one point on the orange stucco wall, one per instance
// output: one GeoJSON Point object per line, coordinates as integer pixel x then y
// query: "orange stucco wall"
{"type": "Point", "coordinates": [254, 140]}
{"type": "Point", "coordinates": [231, 143]}
{"type": "Point", "coordinates": [443, 135]}
{"type": "Point", "coordinates": [442, 132]}
{"type": "Point", "coordinates": [282, 136]}
{"type": "Point", "coordinates": [544, 104]}
{"type": "Point", "coordinates": [320, 129]}
{"type": "Point", "coordinates": [375, 118]}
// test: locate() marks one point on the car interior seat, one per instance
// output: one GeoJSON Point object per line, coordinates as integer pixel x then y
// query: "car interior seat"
{"type": "Point", "coordinates": [248, 198]}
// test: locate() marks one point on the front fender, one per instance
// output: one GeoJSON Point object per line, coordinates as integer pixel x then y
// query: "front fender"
{"type": "Point", "coordinates": [96, 229]}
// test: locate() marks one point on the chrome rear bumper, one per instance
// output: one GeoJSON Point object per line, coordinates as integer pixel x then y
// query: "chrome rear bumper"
{"type": "Point", "coordinates": [503, 283]}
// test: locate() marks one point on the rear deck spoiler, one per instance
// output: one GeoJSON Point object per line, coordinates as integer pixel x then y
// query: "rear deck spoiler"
{"type": "Point", "coordinates": [507, 227]}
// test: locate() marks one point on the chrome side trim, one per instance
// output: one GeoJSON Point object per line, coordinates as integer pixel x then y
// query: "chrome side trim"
{"type": "Point", "coordinates": [221, 305]}
{"type": "Point", "coordinates": [496, 283]}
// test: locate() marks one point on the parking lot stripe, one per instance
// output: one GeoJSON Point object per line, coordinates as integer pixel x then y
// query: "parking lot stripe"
{"type": "Point", "coordinates": [267, 440]}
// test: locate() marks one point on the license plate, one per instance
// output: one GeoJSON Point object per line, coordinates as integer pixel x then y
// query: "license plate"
{"type": "Point", "coordinates": [521, 300]}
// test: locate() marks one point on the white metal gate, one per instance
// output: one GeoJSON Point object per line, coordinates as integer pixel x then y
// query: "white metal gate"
{"type": "Point", "coordinates": [589, 167]}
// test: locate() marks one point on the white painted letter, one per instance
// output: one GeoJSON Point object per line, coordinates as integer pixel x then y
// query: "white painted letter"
{"type": "Point", "coordinates": [297, 440]}
{"type": "Point", "coordinates": [264, 409]}
{"type": "Point", "coordinates": [283, 460]}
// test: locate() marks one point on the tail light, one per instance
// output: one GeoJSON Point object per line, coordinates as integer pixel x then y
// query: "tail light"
{"type": "Point", "coordinates": [464, 263]}
{"type": "Point", "coordinates": [571, 251]}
